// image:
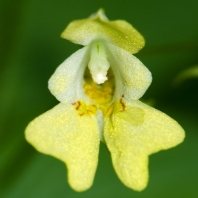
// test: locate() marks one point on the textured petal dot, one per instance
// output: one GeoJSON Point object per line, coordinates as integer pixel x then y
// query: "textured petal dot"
{"type": "Point", "coordinates": [74, 139]}
{"type": "Point", "coordinates": [119, 33]}
{"type": "Point", "coordinates": [135, 133]}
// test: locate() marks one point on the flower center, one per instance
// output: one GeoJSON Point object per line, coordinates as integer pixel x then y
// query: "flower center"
{"type": "Point", "coordinates": [102, 93]}
{"type": "Point", "coordinates": [99, 79]}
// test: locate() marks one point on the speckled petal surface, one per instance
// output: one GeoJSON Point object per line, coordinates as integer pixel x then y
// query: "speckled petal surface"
{"type": "Point", "coordinates": [132, 77]}
{"type": "Point", "coordinates": [74, 139]}
{"type": "Point", "coordinates": [66, 84]}
{"type": "Point", "coordinates": [118, 32]}
{"type": "Point", "coordinates": [133, 134]}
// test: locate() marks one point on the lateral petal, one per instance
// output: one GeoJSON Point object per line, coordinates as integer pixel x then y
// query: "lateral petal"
{"type": "Point", "coordinates": [133, 134]}
{"type": "Point", "coordinates": [132, 77]}
{"type": "Point", "coordinates": [66, 84]}
{"type": "Point", "coordinates": [74, 139]}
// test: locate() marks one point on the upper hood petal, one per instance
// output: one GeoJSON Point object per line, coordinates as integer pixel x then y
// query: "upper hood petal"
{"type": "Point", "coordinates": [118, 32]}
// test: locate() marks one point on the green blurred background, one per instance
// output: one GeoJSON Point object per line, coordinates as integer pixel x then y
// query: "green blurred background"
{"type": "Point", "coordinates": [31, 49]}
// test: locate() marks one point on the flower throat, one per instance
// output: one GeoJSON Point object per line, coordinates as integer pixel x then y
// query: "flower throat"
{"type": "Point", "coordinates": [99, 79]}
{"type": "Point", "coordinates": [99, 93]}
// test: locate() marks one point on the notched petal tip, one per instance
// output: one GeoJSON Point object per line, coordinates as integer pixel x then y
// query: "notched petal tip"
{"type": "Point", "coordinates": [132, 169]}
{"type": "Point", "coordinates": [133, 134]}
{"type": "Point", "coordinates": [73, 139]}
{"type": "Point", "coordinates": [118, 32]}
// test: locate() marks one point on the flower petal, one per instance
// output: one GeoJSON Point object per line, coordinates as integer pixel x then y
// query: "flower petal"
{"type": "Point", "coordinates": [132, 77]}
{"type": "Point", "coordinates": [133, 134]}
{"type": "Point", "coordinates": [66, 84]}
{"type": "Point", "coordinates": [74, 139]}
{"type": "Point", "coordinates": [119, 32]}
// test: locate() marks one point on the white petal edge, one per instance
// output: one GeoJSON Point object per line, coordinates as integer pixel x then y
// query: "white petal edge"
{"type": "Point", "coordinates": [66, 84]}
{"type": "Point", "coordinates": [132, 77]}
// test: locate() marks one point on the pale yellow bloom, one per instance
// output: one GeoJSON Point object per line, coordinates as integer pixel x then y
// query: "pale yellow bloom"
{"type": "Point", "coordinates": [98, 88]}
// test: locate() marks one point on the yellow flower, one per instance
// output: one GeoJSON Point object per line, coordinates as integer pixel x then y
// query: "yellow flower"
{"type": "Point", "coordinates": [98, 88]}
